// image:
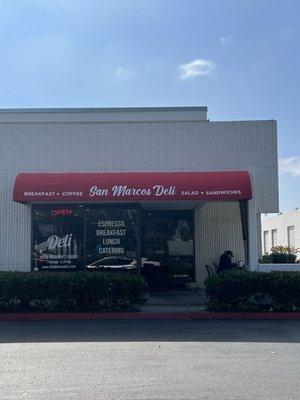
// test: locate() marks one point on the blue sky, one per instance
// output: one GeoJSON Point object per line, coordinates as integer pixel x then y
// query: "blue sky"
{"type": "Point", "coordinates": [241, 58]}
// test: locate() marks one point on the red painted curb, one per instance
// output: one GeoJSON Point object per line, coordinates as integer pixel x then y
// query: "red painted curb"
{"type": "Point", "coordinates": [192, 315]}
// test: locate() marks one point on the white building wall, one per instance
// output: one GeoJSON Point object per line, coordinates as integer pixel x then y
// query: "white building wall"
{"type": "Point", "coordinates": [259, 237]}
{"type": "Point", "coordinates": [218, 228]}
{"type": "Point", "coordinates": [125, 147]}
{"type": "Point", "coordinates": [281, 223]}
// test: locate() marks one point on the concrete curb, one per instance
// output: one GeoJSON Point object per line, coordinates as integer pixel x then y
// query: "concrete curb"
{"type": "Point", "coordinates": [192, 315]}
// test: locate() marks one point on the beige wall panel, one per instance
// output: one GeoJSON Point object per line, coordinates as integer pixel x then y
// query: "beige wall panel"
{"type": "Point", "coordinates": [217, 228]}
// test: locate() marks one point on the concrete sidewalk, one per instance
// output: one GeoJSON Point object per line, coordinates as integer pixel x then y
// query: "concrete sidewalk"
{"type": "Point", "coordinates": [178, 298]}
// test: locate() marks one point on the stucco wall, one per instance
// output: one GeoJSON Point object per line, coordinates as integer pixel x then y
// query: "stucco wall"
{"type": "Point", "coordinates": [218, 228]}
{"type": "Point", "coordinates": [126, 147]}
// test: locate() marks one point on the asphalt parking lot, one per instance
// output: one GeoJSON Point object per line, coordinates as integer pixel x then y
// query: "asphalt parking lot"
{"type": "Point", "coordinates": [150, 359]}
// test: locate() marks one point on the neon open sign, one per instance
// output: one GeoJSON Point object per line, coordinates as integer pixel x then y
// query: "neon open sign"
{"type": "Point", "coordinates": [62, 212]}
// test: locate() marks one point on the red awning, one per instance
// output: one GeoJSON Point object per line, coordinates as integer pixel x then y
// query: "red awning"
{"type": "Point", "coordinates": [137, 186]}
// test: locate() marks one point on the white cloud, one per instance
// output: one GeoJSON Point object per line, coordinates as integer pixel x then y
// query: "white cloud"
{"type": "Point", "coordinates": [124, 73]}
{"type": "Point", "coordinates": [198, 67]}
{"type": "Point", "coordinates": [290, 165]}
{"type": "Point", "coordinates": [225, 40]}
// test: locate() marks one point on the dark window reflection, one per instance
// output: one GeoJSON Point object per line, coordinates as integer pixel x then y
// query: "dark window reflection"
{"type": "Point", "coordinates": [167, 245]}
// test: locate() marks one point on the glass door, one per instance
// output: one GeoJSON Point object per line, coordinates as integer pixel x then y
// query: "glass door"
{"type": "Point", "coordinates": [168, 248]}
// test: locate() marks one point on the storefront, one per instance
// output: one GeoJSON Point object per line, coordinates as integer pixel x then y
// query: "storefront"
{"type": "Point", "coordinates": [120, 224]}
{"type": "Point", "coordinates": [114, 237]}
{"type": "Point", "coordinates": [99, 190]}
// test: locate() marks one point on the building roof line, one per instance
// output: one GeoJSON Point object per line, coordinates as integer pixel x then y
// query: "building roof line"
{"type": "Point", "coordinates": [101, 110]}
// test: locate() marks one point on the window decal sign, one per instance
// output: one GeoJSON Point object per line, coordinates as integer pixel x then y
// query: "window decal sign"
{"type": "Point", "coordinates": [111, 237]}
{"type": "Point", "coordinates": [57, 238]}
{"type": "Point", "coordinates": [136, 186]}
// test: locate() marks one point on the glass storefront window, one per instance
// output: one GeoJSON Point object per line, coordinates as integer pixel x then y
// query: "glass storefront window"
{"type": "Point", "coordinates": [80, 236]}
{"type": "Point", "coordinates": [111, 237]}
{"type": "Point", "coordinates": [58, 240]}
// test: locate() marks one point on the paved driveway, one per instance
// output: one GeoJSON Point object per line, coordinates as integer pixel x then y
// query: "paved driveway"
{"type": "Point", "coordinates": [150, 360]}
